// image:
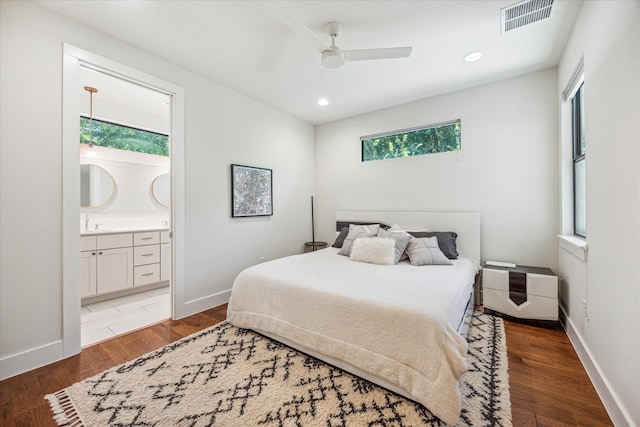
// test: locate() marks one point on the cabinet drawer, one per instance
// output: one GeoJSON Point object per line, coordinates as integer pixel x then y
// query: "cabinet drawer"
{"type": "Point", "coordinates": [88, 243]}
{"type": "Point", "coordinates": [149, 254]}
{"type": "Point", "coordinates": [542, 285]}
{"type": "Point", "coordinates": [495, 279]}
{"type": "Point", "coordinates": [146, 238]}
{"type": "Point", "coordinates": [112, 241]}
{"type": "Point", "coordinates": [146, 274]}
{"type": "Point", "coordinates": [536, 307]}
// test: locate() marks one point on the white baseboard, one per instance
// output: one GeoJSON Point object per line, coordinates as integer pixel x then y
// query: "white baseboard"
{"type": "Point", "coordinates": [31, 359]}
{"type": "Point", "coordinates": [202, 304]}
{"type": "Point", "coordinates": [618, 414]}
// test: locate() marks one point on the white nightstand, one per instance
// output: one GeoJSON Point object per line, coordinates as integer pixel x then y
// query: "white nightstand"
{"type": "Point", "coordinates": [522, 292]}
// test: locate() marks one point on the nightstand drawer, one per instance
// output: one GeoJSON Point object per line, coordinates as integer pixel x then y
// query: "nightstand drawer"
{"type": "Point", "coordinates": [542, 285]}
{"type": "Point", "coordinates": [535, 307]}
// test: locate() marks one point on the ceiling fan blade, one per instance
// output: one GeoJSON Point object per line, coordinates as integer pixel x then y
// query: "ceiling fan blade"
{"type": "Point", "coordinates": [299, 28]}
{"type": "Point", "coordinates": [319, 71]}
{"type": "Point", "coordinates": [382, 53]}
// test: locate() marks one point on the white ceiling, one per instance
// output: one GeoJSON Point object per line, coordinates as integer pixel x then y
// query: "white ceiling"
{"type": "Point", "coordinates": [244, 45]}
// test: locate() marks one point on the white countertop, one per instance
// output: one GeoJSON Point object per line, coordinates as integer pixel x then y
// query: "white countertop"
{"type": "Point", "coordinates": [121, 230]}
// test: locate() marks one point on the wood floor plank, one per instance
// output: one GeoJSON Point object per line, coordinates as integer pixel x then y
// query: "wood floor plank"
{"type": "Point", "coordinates": [547, 379]}
{"type": "Point", "coordinates": [549, 386]}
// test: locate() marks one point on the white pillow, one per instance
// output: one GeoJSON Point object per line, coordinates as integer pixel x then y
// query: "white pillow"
{"type": "Point", "coordinates": [369, 228]}
{"type": "Point", "coordinates": [374, 250]}
{"type": "Point", "coordinates": [355, 232]}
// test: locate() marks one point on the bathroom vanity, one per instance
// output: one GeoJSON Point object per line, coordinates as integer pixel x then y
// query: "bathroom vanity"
{"type": "Point", "coordinates": [117, 261]}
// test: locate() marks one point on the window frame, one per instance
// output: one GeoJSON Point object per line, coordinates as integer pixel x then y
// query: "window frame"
{"type": "Point", "coordinates": [108, 122]}
{"type": "Point", "coordinates": [578, 152]}
{"type": "Point", "coordinates": [399, 132]}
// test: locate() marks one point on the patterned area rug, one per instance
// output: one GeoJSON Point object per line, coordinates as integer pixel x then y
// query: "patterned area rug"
{"type": "Point", "coordinates": [226, 376]}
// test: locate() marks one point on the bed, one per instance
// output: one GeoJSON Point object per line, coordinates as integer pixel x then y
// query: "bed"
{"type": "Point", "coordinates": [400, 326]}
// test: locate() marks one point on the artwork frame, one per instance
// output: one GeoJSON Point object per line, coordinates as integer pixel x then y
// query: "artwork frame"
{"type": "Point", "coordinates": [251, 191]}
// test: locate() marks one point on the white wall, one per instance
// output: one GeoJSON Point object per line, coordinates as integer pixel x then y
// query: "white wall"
{"type": "Point", "coordinates": [506, 169]}
{"type": "Point", "coordinates": [607, 36]}
{"type": "Point", "coordinates": [133, 204]}
{"type": "Point", "coordinates": [222, 127]}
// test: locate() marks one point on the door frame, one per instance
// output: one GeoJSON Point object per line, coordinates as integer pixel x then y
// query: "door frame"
{"type": "Point", "coordinates": [74, 59]}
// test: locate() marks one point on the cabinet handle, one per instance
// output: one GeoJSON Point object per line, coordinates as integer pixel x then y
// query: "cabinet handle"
{"type": "Point", "coordinates": [93, 253]}
{"type": "Point", "coordinates": [147, 238]}
{"type": "Point", "coordinates": [99, 253]}
{"type": "Point", "coordinates": [148, 274]}
{"type": "Point", "coordinates": [146, 254]}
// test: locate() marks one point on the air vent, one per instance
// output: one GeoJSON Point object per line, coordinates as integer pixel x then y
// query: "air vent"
{"type": "Point", "coordinates": [525, 13]}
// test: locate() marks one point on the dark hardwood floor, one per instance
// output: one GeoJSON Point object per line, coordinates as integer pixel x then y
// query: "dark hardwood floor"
{"type": "Point", "coordinates": [549, 386]}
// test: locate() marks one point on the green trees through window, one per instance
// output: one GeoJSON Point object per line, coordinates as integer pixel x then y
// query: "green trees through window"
{"type": "Point", "coordinates": [111, 135]}
{"type": "Point", "coordinates": [413, 142]}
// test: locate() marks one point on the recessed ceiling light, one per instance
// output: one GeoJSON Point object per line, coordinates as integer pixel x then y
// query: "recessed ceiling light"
{"type": "Point", "coordinates": [323, 101]}
{"type": "Point", "coordinates": [473, 56]}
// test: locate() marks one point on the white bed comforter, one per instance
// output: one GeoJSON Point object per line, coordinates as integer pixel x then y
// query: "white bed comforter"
{"type": "Point", "coordinates": [393, 322]}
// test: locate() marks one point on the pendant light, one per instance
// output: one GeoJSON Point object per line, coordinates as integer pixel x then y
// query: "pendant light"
{"type": "Point", "coordinates": [90, 151]}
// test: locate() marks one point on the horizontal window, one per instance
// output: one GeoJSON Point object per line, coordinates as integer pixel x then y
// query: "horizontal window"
{"type": "Point", "coordinates": [430, 139]}
{"type": "Point", "coordinates": [112, 135]}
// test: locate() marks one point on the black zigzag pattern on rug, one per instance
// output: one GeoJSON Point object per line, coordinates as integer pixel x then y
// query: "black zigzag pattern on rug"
{"type": "Point", "coordinates": [236, 377]}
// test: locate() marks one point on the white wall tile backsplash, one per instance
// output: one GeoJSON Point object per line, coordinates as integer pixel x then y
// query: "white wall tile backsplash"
{"type": "Point", "coordinates": [133, 205]}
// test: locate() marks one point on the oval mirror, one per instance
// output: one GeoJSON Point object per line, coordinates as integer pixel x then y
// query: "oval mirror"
{"type": "Point", "coordinates": [97, 186]}
{"type": "Point", "coordinates": [160, 190]}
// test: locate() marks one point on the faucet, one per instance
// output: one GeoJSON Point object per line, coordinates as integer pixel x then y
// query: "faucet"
{"type": "Point", "coordinates": [86, 222]}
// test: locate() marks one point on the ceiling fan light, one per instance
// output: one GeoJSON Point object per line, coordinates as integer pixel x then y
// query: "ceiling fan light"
{"type": "Point", "coordinates": [472, 56]}
{"type": "Point", "coordinates": [333, 58]}
{"type": "Point", "coordinates": [323, 101]}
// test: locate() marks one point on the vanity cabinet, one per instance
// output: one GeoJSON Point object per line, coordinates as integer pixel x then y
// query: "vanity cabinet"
{"type": "Point", "coordinates": [146, 264]}
{"type": "Point", "coordinates": [113, 262]}
{"type": "Point", "coordinates": [165, 256]}
{"type": "Point", "coordinates": [106, 263]}
{"type": "Point", "coordinates": [88, 273]}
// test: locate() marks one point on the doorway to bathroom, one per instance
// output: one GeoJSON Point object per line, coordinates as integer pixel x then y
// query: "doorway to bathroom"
{"type": "Point", "coordinates": [125, 196]}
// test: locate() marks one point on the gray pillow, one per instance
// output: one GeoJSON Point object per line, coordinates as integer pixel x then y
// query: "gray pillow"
{"type": "Point", "coordinates": [354, 233]}
{"type": "Point", "coordinates": [340, 239]}
{"type": "Point", "coordinates": [402, 240]}
{"type": "Point", "coordinates": [425, 251]}
{"type": "Point", "coordinates": [446, 241]}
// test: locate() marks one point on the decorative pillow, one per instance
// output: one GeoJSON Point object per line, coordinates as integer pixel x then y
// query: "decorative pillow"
{"type": "Point", "coordinates": [402, 240]}
{"type": "Point", "coordinates": [446, 241]}
{"type": "Point", "coordinates": [374, 250]}
{"type": "Point", "coordinates": [354, 233]}
{"type": "Point", "coordinates": [369, 228]}
{"type": "Point", "coordinates": [340, 239]}
{"type": "Point", "coordinates": [395, 228]}
{"type": "Point", "coordinates": [425, 251]}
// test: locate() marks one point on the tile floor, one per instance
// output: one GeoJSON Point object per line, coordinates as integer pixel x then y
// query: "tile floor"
{"type": "Point", "coordinates": [106, 319]}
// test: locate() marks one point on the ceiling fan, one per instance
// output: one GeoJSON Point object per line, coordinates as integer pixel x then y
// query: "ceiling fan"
{"type": "Point", "coordinates": [333, 56]}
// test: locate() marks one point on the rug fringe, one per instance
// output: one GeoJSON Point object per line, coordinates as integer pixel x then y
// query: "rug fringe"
{"type": "Point", "coordinates": [64, 413]}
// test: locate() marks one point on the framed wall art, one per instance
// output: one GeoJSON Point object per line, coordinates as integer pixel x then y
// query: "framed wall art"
{"type": "Point", "coordinates": [251, 191]}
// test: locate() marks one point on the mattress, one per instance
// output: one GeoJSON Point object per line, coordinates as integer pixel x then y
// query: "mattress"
{"type": "Point", "coordinates": [396, 323]}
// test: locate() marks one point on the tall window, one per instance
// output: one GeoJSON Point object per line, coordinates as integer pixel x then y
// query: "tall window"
{"type": "Point", "coordinates": [579, 151]}
{"type": "Point", "coordinates": [430, 139]}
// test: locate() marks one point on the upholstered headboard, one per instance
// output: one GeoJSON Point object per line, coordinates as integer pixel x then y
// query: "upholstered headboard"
{"type": "Point", "coordinates": [465, 224]}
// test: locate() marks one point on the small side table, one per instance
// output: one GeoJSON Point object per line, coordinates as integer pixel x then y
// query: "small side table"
{"type": "Point", "coordinates": [314, 246]}
{"type": "Point", "coordinates": [522, 292]}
